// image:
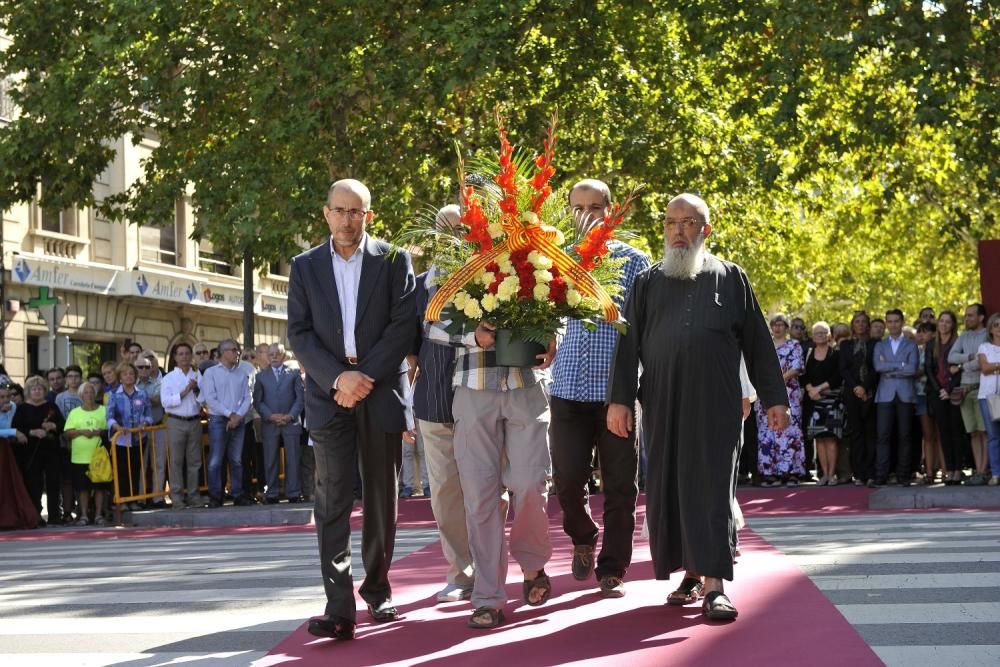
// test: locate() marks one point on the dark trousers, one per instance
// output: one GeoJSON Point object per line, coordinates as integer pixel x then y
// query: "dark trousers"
{"type": "Point", "coordinates": [574, 430]}
{"type": "Point", "coordinates": [39, 462]}
{"type": "Point", "coordinates": [901, 414]}
{"type": "Point", "coordinates": [952, 432]}
{"type": "Point", "coordinates": [380, 455]}
{"type": "Point", "coordinates": [861, 435]}
{"type": "Point", "coordinates": [253, 463]}
{"type": "Point", "coordinates": [127, 460]}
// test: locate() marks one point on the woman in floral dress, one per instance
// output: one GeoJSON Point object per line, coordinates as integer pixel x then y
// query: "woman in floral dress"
{"type": "Point", "coordinates": [780, 456]}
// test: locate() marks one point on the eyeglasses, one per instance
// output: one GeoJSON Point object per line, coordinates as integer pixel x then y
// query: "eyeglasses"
{"type": "Point", "coordinates": [354, 213]}
{"type": "Point", "coordinates": [201, 352]}
{"type": "Point", "coordinates": [230, 349]}
{"type": "Point", "coordinates": [143, 366]}
{"type": "Point", "coordinates": [686, 224]}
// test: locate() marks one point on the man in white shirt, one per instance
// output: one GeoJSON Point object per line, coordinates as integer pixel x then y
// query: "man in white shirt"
{"type": "Point", "coordinates": [179, 394]}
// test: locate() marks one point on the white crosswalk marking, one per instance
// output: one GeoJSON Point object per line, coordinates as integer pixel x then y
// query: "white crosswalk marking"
{"type": "Point", "coordinates": [218, 600]}
{"type": "Point", "coordinates": [921, 589]}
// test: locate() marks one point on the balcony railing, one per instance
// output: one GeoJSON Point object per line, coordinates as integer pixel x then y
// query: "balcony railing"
{"type": "Point", "coordinates": [55, 244]}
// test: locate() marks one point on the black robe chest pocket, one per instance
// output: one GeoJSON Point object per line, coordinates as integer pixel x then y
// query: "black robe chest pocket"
{"type": "Point", "coordinates": [714, 315]}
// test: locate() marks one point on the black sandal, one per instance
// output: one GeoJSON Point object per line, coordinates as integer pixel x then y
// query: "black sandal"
{"type": "Point", "coordinates": [495, 616]}
{"type": "Point", "coordinates": [541, 581]}
{"type": "Point", "coordinates": [689, 591]}
{"type": "Point", "coordinates": [718, 607]}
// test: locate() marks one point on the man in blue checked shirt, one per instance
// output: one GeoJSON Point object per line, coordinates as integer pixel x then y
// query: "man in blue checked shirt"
{"type": "Point", "coordinates": [579, 423]}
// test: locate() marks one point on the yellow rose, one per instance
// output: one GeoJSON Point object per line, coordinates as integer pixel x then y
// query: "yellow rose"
{"type": "Point", "coordinates": [542, 276]}
{"type": "Point", "coordinates": [541, 292]}
{"type": "Point", "coordinates": [495, 229]}
{"type": "Point", "coordinates": [572, 298]}
{"type": "Point", "coordinates": [490, 302]}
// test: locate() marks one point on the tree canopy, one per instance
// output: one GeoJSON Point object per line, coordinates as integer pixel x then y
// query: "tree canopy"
{"type": "Point", "coordinates": [847, 149]}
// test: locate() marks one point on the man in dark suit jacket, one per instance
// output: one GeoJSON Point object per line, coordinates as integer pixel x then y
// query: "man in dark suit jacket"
{"type": "Point", "coordinates": [350, 322]}
{"type": "Point", "coordinates": [278, 397]}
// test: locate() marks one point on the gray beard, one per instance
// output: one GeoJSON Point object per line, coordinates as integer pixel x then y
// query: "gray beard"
{"type": "Point", "coordinates": [684, 263]}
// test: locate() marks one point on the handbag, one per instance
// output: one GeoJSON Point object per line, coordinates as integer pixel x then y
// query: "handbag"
{"type": "Point", "coordinates": [957, 395]}
{"type": "Point", "coordinates": [993, 403]}
{"type": "Point", "coordinates": [99, 470]}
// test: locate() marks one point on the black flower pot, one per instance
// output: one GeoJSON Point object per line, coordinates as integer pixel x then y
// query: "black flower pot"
{"type": "Point", "coordinates": [512, 351]}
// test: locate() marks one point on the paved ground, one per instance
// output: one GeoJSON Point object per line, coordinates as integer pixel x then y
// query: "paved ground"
{"type": "Point", "coordinates": [218, 600]}
{"type": "Point", "coordinates": [921, 589]}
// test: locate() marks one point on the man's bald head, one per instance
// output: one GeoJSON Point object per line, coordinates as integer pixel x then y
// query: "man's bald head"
{"type": "Point", "coordinates": [694, 202]}
{"type": "Point", "coordinates": [449, 219]}
{"type": "Point", "coordinates": [351, 185]}
{"type": "Point", "coordinates": [594, 185]}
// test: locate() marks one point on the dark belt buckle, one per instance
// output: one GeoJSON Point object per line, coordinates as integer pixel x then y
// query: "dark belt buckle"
{"type": "Point", "coordinates": [352, 361]}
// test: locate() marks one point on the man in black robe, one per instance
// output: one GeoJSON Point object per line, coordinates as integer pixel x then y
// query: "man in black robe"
{"type": "Point", "coordinates": [689, 319]}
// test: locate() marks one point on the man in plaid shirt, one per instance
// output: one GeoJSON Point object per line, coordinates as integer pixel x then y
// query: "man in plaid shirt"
{"type": "Point", "coordinates": [579, 423]}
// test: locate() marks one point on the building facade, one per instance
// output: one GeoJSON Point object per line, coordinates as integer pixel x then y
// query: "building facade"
{"type": "Point", "coordinates": [76, 288]}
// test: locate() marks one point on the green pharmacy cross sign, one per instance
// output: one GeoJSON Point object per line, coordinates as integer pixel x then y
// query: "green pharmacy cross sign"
{"type": "Point", "coordinates": [43, 299]}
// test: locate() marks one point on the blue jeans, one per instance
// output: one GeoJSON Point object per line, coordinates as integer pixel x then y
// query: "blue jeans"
{"type": "Point", "coordinates": [992, 438]}
{"type": "Point", "coordinates": [221, 443]}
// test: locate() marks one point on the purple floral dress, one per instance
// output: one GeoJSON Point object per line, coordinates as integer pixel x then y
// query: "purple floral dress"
{"type": "Point", "coordinates": [780, 454]}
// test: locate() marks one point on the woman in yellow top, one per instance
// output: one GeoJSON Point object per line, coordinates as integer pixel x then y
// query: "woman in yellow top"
{"type": "Point", "coordinates": [84, 426]}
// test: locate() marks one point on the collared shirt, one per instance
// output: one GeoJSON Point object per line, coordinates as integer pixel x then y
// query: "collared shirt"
{"type": "Point", "coordinates": [170, 393]}
{"type": "Point", "coordinates": [894, 343]}
{"type": "Point", "coordinates": [583, 363]}
{"type": "Point", "coordinates": [128, 411]}
{"type": "Point", "coordinates": [347, 277]}
{"type": "Point", "coordinates": [476, 368]}
{"type": "Point", "coordinates": [226, 391]}
{"type": "Point", "coordinates": [6, 419]}
{"type": "Point", "coordinates": [152, 388]}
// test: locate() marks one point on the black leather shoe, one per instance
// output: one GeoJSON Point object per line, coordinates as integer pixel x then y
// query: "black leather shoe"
{"type": "Point", "coordinates": [214, 502]}
{"type": "Point", "coordinates": [297, 499]}
{"type": "Point", "coordinates": [243, 501]}
{"type": "Point", "coordinates": [270, 501]}
{"type": "Point", "coordinates": [383, 611]}
{"type": "Point", "coordinates": [333, 627]}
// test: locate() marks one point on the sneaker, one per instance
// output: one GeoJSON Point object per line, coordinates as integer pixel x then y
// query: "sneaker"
{"type": "Point", "coordinates": [583, 561]}
{"type": "Point", "coordinates": [976, 480]}
{"type": "Point", "coordinates": [453, 593]}
{"type": "Point", "coordinates": [612, 587]}
{"type": "Point", "coordinates": [994, 480]}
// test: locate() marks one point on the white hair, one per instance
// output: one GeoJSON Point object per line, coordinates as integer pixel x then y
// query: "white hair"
{"type": "Point", "coordinates": [684, 263]}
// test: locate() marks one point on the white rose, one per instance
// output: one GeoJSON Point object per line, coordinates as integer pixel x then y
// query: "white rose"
{"type": "Point", "coordinates": [572, 298]}
{"type": "Point", "coordinates": [490, 302]}
{"type": "Point", "coordinates": [495, 229]}
{"type": "Point", "coordinates": [542, 276]}
{"type": "Point", "coordinates": [460, 300]}
{"type": "Point", "coordinates": [472, 310]}
{"type": "Point", "coordinates": [541, 292]}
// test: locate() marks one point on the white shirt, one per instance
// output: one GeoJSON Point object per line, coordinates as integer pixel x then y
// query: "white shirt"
{"type": "Point", "coordinates": [894, 342]}
{"type": "Point", "coordinates": [988, 382]}
{"type": "Point", "coordinates": [170, 393]}
{"type": "Point", "coordinates": [347, 277]}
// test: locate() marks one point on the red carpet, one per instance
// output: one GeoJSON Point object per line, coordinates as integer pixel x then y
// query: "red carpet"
{"type": "Point", "coordinates": [784, 619]}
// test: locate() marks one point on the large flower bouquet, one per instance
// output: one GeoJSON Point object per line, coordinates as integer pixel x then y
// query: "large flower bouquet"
{"type": "Point", "coordinates": [510, 263]}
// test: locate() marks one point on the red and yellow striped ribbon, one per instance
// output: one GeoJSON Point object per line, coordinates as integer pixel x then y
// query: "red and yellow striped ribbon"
{"type": "Point", "coordinates": [533, 237]}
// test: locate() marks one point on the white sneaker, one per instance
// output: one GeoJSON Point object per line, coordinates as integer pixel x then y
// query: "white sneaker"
{"type": "Point", "coordinates": [453, 593]}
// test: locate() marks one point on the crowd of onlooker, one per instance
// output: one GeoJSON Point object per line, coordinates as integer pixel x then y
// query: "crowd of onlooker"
{"type": "Point", "coordinates": [171, 432]}
{"type": "Point", "coordinates": [880, 402]}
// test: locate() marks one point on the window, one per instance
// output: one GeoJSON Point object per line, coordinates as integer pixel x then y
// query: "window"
{"type": "Point", "coordinates": [158, 244]}
{"type": "Point", "coordinates": [52, 220]}
{"type": "Point", "coordinates": [8, 110]}
{"type": "Point", "coordinates": [211, 261]}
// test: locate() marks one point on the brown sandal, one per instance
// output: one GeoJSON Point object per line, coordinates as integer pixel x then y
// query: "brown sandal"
{"type": "Point", "coordinates": [540, 582]}
{"type": "Point", "coordinates": [689, 591]}
{"type": "Point", "coordinates": [495, 616]}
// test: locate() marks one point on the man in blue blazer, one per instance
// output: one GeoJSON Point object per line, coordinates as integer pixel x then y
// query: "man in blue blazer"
{"type": "Point", "coordinates": [350, 323]}
{"type": "Point", "coordinates": [895, 359]}
{"type": "Point", "coordinates": [278, 397]}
